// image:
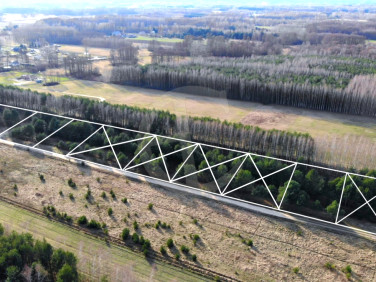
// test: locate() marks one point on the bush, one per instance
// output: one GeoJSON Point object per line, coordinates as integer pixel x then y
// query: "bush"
{"type": "Point", "coordinates": [103, 195]}
{"type": "Point", "coordinates": [330, 266]}
{"type": "Point", "coordinates": [112, 194]}
{"type": "Point", "coordinates": [141, 240]}
{"type": "Point", "coordinates": [61, 193]}
{"type": "Point", "coordinates": [145, 247]}
{"type": "Point", "coordinates": [195, 238]}
{"type": "Point", "coordinates": [250, 243]}
{"type": "Point", "coordinates": [125, 234]}
{"type": "Point", "coordinates": [150, 206]}
{"type": "Point", "coordinates": [348, 271]}
{"type": "Point", "coordinates": [135, 238]}
{"type": "Point", "coordinates": [163, 250]}
{"type": "Point", "coordinates": [88, 195]}
{"type": "Point", "coordinates": [135, 225]}
{"type": "Point", "coordinates": [82, 220]}
{"type": "Point", "coordinates": [71, 196]}
{"type": "Point", "coordinates": [170, 243]}
{"type": "Point", "coordinates": [71, 183]}
{"type": "Point", "coordinates": [15, 187]}
{"type": "Point", "coordinates": [41, 177]}
{"type": "Point", "coordinates": [110, 211]}
{"type": "Point", "coordinates": [93, 224]}
{"type": "Point", "coordinates": [194, 258]}
{"type": "Point", "coordinates": [177, 256]}
{"type": "Point", "coordinates": [195, 221]}
{"type": "Point", "coordinates": [124, 200]}
{"type": "Point", "coordinates": [184, 249]}
{"type": "Point", "coordinates": [295, 270]}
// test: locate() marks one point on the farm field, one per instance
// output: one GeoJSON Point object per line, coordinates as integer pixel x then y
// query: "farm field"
{"type": "Point", "coordinates": [345, 139]}
{"type": "Point", "coordinates": [279, 245]}
{"type": "Point", "coordinates": [95, 258]}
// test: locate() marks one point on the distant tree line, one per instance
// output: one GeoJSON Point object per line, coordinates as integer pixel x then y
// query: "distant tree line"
{"type": "Point", "coordinates": [322, 85]}
{"type": "Point", "coordinates": [231, 135]}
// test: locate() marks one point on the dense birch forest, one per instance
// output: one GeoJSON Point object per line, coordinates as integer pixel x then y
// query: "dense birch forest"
{"type": "Point", "coordinates": [338, 84]}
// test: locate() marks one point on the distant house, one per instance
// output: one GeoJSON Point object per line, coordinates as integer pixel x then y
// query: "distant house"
{"type": "Point", "coordinates": [116, 33]}
{"type": "Point", "coordinates": [130, 36]}
{"type": "Point", "coordinates": [15, 64]}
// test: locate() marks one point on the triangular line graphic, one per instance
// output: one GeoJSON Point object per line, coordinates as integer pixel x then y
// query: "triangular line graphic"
{"type": "Point", "coordinates": [13, 126]}
{"type": "Point", "coordinates": [107, 146]}
{"type": "Point", "coordinates": [215, 180]}
{"type": "Point", "coordinates": [56, 131]}
{"type": "Point", "coordinates": [147, 144]}
{"type": "Point", "coordinates": [113, 151]}
{"type": "Point", "coordinates": [241, 164]}
{"type": "Point", "coordinates": [102, 127]}
{"type": "Point", "coordinates": [209, 167]}
{"type": "Point", "coordinates": [266, 176]}
{"type": "Point", "coordinates": [176, 173]}
{"type": "Point", "coordinates": [288, 185]}
{"type": "Point", "coordinates": [362, 195]}
{"type": "Point", "coordinates": [340, 201]}
{"type": "Point", "coordinates": [367, 202]}
{"type": "Point", "coordinates": [157, 158]}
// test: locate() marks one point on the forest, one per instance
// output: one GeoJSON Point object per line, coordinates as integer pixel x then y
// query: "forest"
{"type": "Point", "coordinates": [22, 258]}
{"type": "Point", "coordinates": [336, 84]}
{"type": "Point", "coordinates": [307, 57]}
{"type": "Point", "coordinates": [206, 130]}
{"type": "Point", "coordinates": [310, 191]}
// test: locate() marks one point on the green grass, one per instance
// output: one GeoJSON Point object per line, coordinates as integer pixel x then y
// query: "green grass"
{"type": "Point", "coordinates": [96, 258]}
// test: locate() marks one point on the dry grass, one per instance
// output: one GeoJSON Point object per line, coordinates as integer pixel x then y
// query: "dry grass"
{"type": "Point", "coordinates": [81, 50]}
{"type": "Point", "coordinates": [95, 258]}
{"type": "Point", "coordinates": [337, 135]}
{"type": "Point", "coordinates": [277, 247]}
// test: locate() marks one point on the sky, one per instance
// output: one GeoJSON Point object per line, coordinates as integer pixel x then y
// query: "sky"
{"type": "Point", "coordinates": [71, 4]}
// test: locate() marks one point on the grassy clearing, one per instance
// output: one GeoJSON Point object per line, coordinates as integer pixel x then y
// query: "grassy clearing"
{"type": "Point", "coordinates": [96, 258]}
{"type": "Point", "coordinates": [315, 123]}
{"type": "Point", "coordinates": [329, 129]}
